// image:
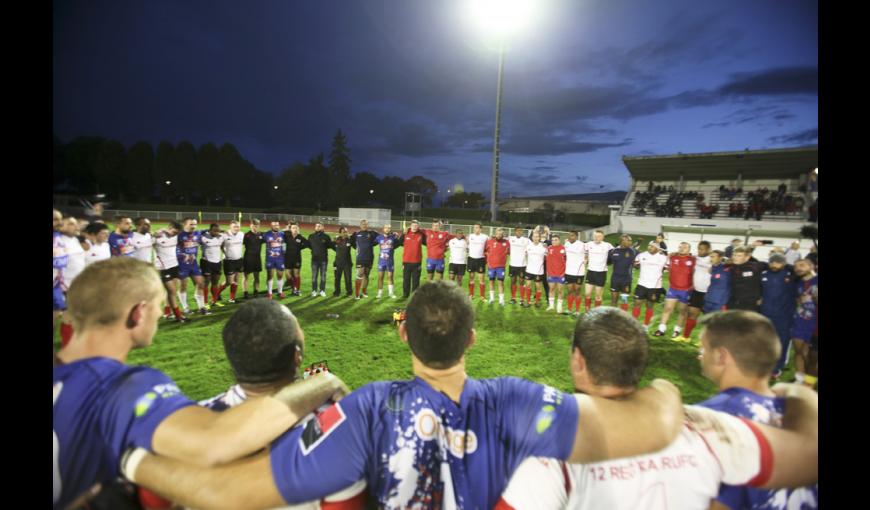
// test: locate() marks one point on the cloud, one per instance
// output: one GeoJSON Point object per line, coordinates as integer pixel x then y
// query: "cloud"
{"type": "Point", "coordinates": [763, 115]}
{"type": "Point", "coordinates": [773, 82]}
{"type": "Point", "coordinates": [801, 137]}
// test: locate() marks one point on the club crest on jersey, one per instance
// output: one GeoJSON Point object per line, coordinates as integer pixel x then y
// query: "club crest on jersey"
{"type": "Point", "coordinates": [143, 404]}
{"type": "Point", "coordinates": [318, 428]}
{"type": "Point", "coordinates": [544, 418]}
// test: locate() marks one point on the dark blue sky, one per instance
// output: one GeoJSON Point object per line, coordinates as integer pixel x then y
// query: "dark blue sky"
{"type": "Point", "coordinates": [412, 83]}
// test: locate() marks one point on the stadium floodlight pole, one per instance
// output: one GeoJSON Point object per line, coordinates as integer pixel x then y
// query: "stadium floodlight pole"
{"type": "Point", "coordinates": [493, 202]}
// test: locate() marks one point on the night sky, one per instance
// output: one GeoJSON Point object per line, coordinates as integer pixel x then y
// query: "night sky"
{"type": "Point", "coordinates": [412, 83]}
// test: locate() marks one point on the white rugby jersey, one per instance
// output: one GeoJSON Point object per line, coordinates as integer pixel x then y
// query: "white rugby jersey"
{"type": "Point", "coordinates": [142, 244]}
{"type": "Point", "coordinates": [712, 448]}
{"type": "Point", "coordinates": [458, 250]}
{"type": "Point", "coordinates": [576, 258]}
{"type": "Point", "coordinates": [165, 256]}
{"type": "Point", "coordinates": [476, 244]}
{"type": "Point", "coordinates": [233, 244]}
{"type": "Point", "coordinates": [535, 253]}
{"type": "Point", "coordinates": [701, 276]}
{"type": "Point", "coordinates": [597, 254]}
{"type": "Point", "coordinates": [97, 252]}
{"type": "Point", "coordinates": [212, 247]}
{"type": "Point", "coordinates": [76, 262]}
{"type": "Point", "coordinates": [518, 250]}
{"type": "Point", "coordinates": [651, 269]}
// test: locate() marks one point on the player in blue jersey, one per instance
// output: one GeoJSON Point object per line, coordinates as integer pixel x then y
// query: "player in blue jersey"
{"type": "Point", "coordinates": [274, 241]}
{"type": "Point", "coordinates": [121, 240]}
{"type": "Point", "coordinates": [363, 241]}
{"type": "Point", "coordinates": [442, 438]}
{"type": "Point", "coordinates": [719, 291]}
{"type": "Point", "coordinates": [387, 242]}
{"type": "Point", "coordinates": [805, 325]}
{"type": "Point", "coordinates": [59, 261]}
{"type": "Point", "coordinates": [739, 352]}
{"type": "Point", "coordinates": [622, 259]}
{"type": "Point", "coordinates": [189, 241]}
{"type": "Point", "coordinates": [101, 406]}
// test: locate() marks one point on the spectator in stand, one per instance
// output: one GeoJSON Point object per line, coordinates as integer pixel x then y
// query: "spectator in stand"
{"type": "Point", "coordinates": [650, 187]}
{"type": "Point", "coordinates": [814, 182]}
{"type": "Point", "coordinates": [782, 189]}
{"type": "Point", "coordinates": [660, 241]}
{"type": "Point", "coordinates": [730, 250]}
{"type": "Point", "coordinates": [732, 210]}
{"type": "Point", "coordinates": [814, 211]}
{"type": "Point", "coordinates": [793, 254]}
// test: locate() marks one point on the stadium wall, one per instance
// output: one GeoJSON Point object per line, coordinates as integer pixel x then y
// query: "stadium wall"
{"type": "Point", "coordinates": [650, 225]}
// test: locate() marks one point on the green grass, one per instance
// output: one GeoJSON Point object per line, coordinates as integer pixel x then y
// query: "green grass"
{"type": "Point", "coordinates": [362, 345]}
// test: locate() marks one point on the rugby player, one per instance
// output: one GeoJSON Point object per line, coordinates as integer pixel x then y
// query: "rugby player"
{"type": "Point", "coordinates": [274, 240]}
{"type": "Point", "coordinates": [387, 244]}
{"type": "Point", "coordinates": [649, 283]}
{"type": "Point", "coordinates": [253, 262]}
{"type": "Point", "coordinates": [121, 240]}
{"type": "Point", "coordinates": [597, 252]}
{"type": "Point", "coordinates": [210, 263]}
{"type": "Point", "coordinates": [700, 283]}
{"type": "Point", "coordinates": [575, 270]}
{"type": "Point", "coordinates": [343, 263]}
{"type": "Point", "coordinates": [496, 251]}
{"type": "Point", "coordinates": [681, 265]}
{"type": "Point", "coordinates": [517, 270]}
{"type": "Point", "coordinates": [75, 253]}
{"type": "Point", "coordinates": [719, 291]}
{"type": "Point", "coordinates": [745, 281]}
{"type": "Point", "coordinates": [189, 241]}
{"type": "Point", "coordinates": [166, 262]}
{"type": "Point", "coordinates": [622, 259]}
{"type": "Point", "coordinates": [778, 294]}
{"type": "Point", "coordinates": [536, 252]}
{"type": "Point", "coordinates": [556, 259]}
{"type": "Point", "coordinates": [363, 241]}
{"type": "Point", "coordinates": [805, 324]}
{"type": "Point", "coordinates": [412, 258]}
{"type": "Point", "coordinates": [143, 242]}
{"type": "Point", "coordinates": [476, 260]}
{"type": "Point", "coordinates": [436, 244]}
{"type": "Point", "coordinates": [59, 260]}
{"type": "Point", "coordinates": [234, 240]}
{"type": "Point", "coordinates": [296, 242]}
{"type": "Point", "coordinates": [97, 235]}
{"type": "Point", "coordinates": [458, 247]}
{"type": "Point", "coordinates": [319, 242]}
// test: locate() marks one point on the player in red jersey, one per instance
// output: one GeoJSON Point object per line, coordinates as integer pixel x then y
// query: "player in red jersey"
{"type": "Point", "coordinates": [436, 244]}
{"type": "Point", "coordinates": [681, 266]}
{"type": "Point", "coordinates": [556, 262]}
{"type": "Point", "coordinates": [496, 251]}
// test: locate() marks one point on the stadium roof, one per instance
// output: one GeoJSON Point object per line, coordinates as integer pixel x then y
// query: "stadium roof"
{"type": "Point", "coordinates": [609, 196]}
{"type": "Point", "coordinates": [772, 163]}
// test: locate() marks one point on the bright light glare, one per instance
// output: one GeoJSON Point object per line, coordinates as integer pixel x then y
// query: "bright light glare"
{"type": "Point", "coordinates": [817, 171]}
{"type": "Point", "coordinates": [501, 17]}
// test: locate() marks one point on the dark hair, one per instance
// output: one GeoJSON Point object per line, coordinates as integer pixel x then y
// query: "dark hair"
{"type": "Point", "coordinates": [719, 252]}
{"type": "Point", "coordinates": [213, 225]}
{"type": "Point", "coordinates": [438, 320]}
{"type": "Point", "coordinates": [175, 225]}
{"type": "Point", "coordinates": [95, 228]}
{"type": "Point", "coordinates": [704, 243]}
{"type": "Point", "coordinates": [573, 232]}
{"type": "Point", "coordinates": [120, 218]}
{"type": "Point", "coordinates": [260, 341]}
{"type": "Point", "coordinates": [749, 336]}
{"type": "Point", "coordinates": [614, 344]}
{"type": "Point", "coordinates": [140, 220]}
{"type": "Point", "coordinates": [189, 218]}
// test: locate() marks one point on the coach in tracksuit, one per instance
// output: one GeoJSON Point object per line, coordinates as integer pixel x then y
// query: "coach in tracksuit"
{"type": "Point", "coordinates": [319, 242]}
{"type": "Point", "coordinates": [343, 264]}
{"type": "Point", "coordinates": [778, 294]}
{"type": "Point", "coordinates": [745, 281]}
{"type": "Point", "coordinates": [719, 292]}
{"type": "Point", "coordinates": [412, 258]}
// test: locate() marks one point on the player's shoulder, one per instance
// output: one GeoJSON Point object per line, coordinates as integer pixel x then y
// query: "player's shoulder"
{"type": "Point", "coordinates": [727, 401]}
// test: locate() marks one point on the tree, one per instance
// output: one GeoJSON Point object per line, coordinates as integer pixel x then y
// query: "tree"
{"type": "Point", "coordinates": [109, 169]}
{"type": "Point", "coordinates": [472, 200]}
{"type": "Point", "coordinates": [230, 173]}
{"type": "Point", "coordinates": [339, 170]}
{"type": "Point", "coordinates": [363, 184]}
{"type": "Point", "coordinates": [184, 174]}
{"type": "Point", "coordinates": [811, 232]}
{"type": "Point", "coordinates": [139, 171]}
{"type": "Point", "coordinates": [206, 166]}
{"type": "Point", "coordinates": [80, 162]}
{"type": "Point", "coordinates": [424, 187]}
{"type": "Point", "coordinates": [164, 161]}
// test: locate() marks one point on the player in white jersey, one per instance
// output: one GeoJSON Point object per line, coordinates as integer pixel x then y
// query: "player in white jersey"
{"type": "Point", "coordinates": [609, 354]}
{"type": "Point", "coordinates": [97, 235]}
{"type": "Point", "coordinates": [233, 266]}
{"type": "Point", "coordinates": [75, 253]}
{"type": "Point", "coordinates": [649, 284]}
{"type": "Point", "coordinates": [575, 270]}
{"type": "Point", "coordinates": [519, 243]}
{"type": "Point", "coordinates": [536, 253]}
{"type": "Point", "coordinates": [700, 283]}
{"type": "Point", "coordinates": [597, 252]}
{"type": "Point", "coordinates": [166, 262]}
{"type": "Point", "coordinates": [476, 260]}
{"type": "Point", "coordinates": [142, 240]}
{"type": "Point", "coordinates": [458, 257]}
{"type": "Point", "coordinates": [210, 263]}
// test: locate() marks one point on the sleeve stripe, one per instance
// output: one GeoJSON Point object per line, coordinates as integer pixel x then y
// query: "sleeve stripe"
{"type": "Point", "coordinates": [766, 469]}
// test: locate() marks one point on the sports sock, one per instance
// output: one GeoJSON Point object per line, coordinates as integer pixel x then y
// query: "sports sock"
{"type": "Point", "coordinates": [690, 325]}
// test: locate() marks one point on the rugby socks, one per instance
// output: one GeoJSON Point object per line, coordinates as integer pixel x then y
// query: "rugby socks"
{"type": "Point", "coordinates": [66, 333]}
{"type": "Point", "coordinates": [390, 289]}
{"type": "Point", "coordinates": [471, 289]}
{"type": "Point", "coordinates": [570, 301]}
{"type": "Point", "coordinates": [677, 330]}
{"type": "Point", "coordinates": [357, 284]}
{"type": "Point", "coordinates": [513, 291]}
{"type": "Point", "coordinates": [269, 285]}
{"type": "Point", "coordinates": [177, 311]}
{"type": "Point", "coordinates": [537, 297]}
{"type": "Point", "coordinates": [635, 312]}
{"type": "Point", "coordinates": [799, 377]}
{"type": "Point", "coordinates": [483, 290]}
{"type": "Point", "coordinates": [182, 298]}
{"type": "Point", "coordinates": [597, 303]}
{"type": "Point", "coordinates": [166, 310]}
{"type": "Point", "coordinates": [559, 305]}
{"type": "Point", "coordinates": [588, 303]}
{"type": "Point", "coordinates": [200, 298]}
{"type": "Point", "coordinates": [297, 282]}
{"type": "Point", "coordinates": [690, 325]}
{"type": "Point", "coordinates": [233, 288]}
{"type": "Point", "coordinates": [649, 315]}
{"type": "Point", "coordinates": [624, 306]}
{"type": "Point", "coordinates": [501, 299]}
{"type": "Point", "coordinates": [663, 327]}
{"type": "Point", "coordinates": [281, 286]}
{"type": "Point", "coordinates": [552, 300]}
{"type": "Point", "coordinates": [492, 295]}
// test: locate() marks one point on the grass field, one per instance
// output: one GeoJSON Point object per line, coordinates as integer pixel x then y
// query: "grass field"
{"type": "Point", "coordinates": [362, 345]}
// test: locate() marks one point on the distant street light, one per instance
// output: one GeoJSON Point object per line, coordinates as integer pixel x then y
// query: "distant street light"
{"type": "Point", "coordinates": [816, 171]}
{"type": "Point", "coordinates": [371, 192]}
{"type": "Point", "coordinates": [276, 187]}
{"type": "Point", "coordinates": [168, 183]}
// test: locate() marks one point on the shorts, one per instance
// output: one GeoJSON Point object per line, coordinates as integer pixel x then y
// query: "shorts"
{"type": "Point", "coordinates": [232, 266]}
{"type": "Point", "coordinates": [476, 265]}
{"type": "Point", "coordinates": [643, 293]}
{"type": "Point", "coordinates": [751, 306]}
{"type": "Point", "coordinates": [596, 278]}
{"type": "Point", "coordinates": [387, 265]}
{"type": "Point", "coordinates": [436, 265]}
{"type": "Point", "coordinates": [556, 279]}
{"type": "Point", "coordinates": [293, 262]}
{"type": "Point", "coordinates": [534, 277]}
{"type": "Point", "coordinates": [518, 272]}
{"type": "Point", "coordinates": [496, 273]}
{"type": "Point", "coordinates": [697, 299]}
{"type": "Point", "coordinates": [710, 306]}
{"type": "Point", "coordinates": [457, 269]}
{"type": "Point", "coordinates": [210, 268]}
{"type": "Point", "coordinates": [620, 283]}
{"type": "Point", "coordinates": [185, 270]}
{"type": "Point", "coordinates": [253, 265]}
{"type": "Point", "coordinates": [575, 279]}
{"type": "Point", "coordinates": [169, 274]}
{"type": "Point", "coordinates": [364, 265]}
{"type": "Point", "coordinates": [59, 299]}
{"type": "Point", "coordinates": [680, 295]}
{"type": "Point", "coordinates": [275, 263]}
{"type": "Point", "coordinates": [803, 329]}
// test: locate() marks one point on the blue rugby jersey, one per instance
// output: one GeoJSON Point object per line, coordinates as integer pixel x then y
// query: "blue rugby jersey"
{"type": "Point", "coordinates": [101, 408]}
{"type": "Point", "coordinates": [417, 448]}
{"type": "Point", "coordinates": [188, 247]}
{"type": "Point", "coordinates": [778, 293]}
{"type": "Point", "coordinates": [387, 244]}
{"type": "Point", "coordinates": [274, 245]}
{"type": "Point", "coordinates": [808, 296]}
{"type": "Point", "coordinates": [720, 285]}
{"type": "Point", "coordinates": [60, 259]}
{"type": "Point", "coordinates": [364, 241]}
{"type": "Point", "coordinates": [622, 260]}
{"type": "Point", "coordinates": [122, 244]}
{"type": "Point", "coordinates": [767, 410]}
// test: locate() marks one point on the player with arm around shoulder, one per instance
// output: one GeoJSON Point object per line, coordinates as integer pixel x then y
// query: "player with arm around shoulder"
{"type": "Point", "coordinates": [458, 258]}
{"type": "Point", "coordinates": [649, 283]}
{"type": "Point", "coordinates": [477, 260]}
{"type": "Point", "coordinates": [597, 252]}
{"type": "Point", "coordinates": [517, 270]}
{"type": "Point", "coordinates": [680, 266]}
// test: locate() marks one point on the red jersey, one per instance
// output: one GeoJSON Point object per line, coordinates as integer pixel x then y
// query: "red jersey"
{"type": "Point", "coordinates": [412, 243]}
{"type": "Point", "coordinates": [496, 251]}
{"type": "Point", "coordinates": [681, 268]}
{"type": "Point", "coordinates": [436, 243]}
{"type": "Point", "coordinates": [556, 260]}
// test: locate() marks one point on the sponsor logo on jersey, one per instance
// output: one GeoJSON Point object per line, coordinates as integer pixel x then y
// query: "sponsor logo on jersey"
{"type": "Point", "coordinates": [319, 428]}
{"type": "Point", "coordinates": [427, 426]}
{"type": "Point", "coordinates": [143, 404]}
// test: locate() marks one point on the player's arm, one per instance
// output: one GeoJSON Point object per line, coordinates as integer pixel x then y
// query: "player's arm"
{"type": "Point", "coordinates": [646, 421]}
{"type": "Point", "coordinates": [200, 436]}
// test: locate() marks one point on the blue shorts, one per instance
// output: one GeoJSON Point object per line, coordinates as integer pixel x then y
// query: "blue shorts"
{"type": "Point", "coordinates": [556, 279]}
{"type": "Point", "coordinates": [275, 263]}
{"type": "Point", "coordinates": [59, 299]}
{"type": "Point", "coordinates": [803, 329]}
{"type": "Point", "coordinates": [435, 265]}
{"type": "Point", "coordinates": [680, 295]}
{"type": "Point", "coordinates": [496, 273]}
{"type": "Point", "coordinates": [386, 265]}
{"type": "Point", "coordinates": [185, 270]}
{"type": "Point", "coordinates": [710, 306]}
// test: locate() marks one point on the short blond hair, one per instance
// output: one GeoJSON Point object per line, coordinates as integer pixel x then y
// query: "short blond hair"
{"type": "Point", "coordinates": [104, 292]}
